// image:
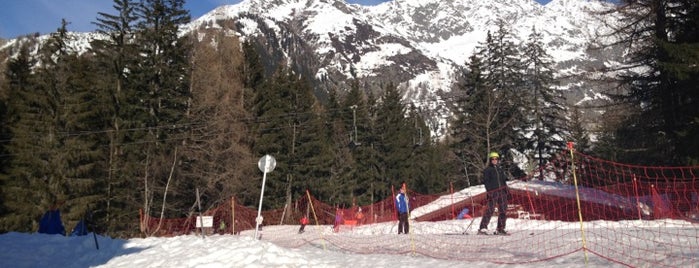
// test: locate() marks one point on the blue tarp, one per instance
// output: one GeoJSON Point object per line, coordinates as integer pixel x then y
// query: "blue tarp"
{"type": "Point", "coordinates": [51, 223]}
{"type": "Point", "coordinates": [80, 229]}
{"type": "Point", "coordinates": [463, 214]}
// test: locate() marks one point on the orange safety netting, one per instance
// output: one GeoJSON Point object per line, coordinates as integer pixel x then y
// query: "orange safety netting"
{"type": "Point", "coordinates": [612, 213]}
{"type": "Point", "coordinates": [244, 217]}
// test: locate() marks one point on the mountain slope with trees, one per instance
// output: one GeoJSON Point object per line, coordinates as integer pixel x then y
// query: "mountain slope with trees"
{"type": "Point", "coordinates": [152, 115]}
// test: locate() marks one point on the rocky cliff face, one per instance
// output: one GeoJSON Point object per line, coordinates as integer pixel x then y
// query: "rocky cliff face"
{"type": "Point", "coordinates": [419, 45]}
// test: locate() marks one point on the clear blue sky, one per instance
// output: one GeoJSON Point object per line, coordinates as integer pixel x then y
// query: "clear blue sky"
{"type": "Point", "coordinates": [18, 17]}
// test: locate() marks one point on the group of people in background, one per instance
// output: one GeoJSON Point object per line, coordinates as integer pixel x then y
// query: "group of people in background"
{"type": "Point", "coordinates": [497, 193]}
{"type": "Point", "coordinates": [358, 216]}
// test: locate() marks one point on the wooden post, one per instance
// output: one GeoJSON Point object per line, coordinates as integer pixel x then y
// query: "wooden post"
{"type": "Point", "coordinates": [373, 215]}
{"type": "Point", "coordinates": [233, 214]}
{"type": "Point", "coordinates": [201, 218]}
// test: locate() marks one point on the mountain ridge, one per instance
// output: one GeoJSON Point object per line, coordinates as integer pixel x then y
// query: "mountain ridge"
{"type": "Point", "coordinates": [420, 45]}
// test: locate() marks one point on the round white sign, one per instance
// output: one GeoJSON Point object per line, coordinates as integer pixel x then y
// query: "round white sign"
{"type": "Point", "coordinates": [267, 163]}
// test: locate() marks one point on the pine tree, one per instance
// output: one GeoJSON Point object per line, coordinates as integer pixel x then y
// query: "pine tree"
{"type": "Point", "coordinates": [4, 158]}
{"type": "Point", "coordinates": [161, 80]}
{"type": "Point", "coordinates": [476, 106]}
{"type": "Point", "coordinates": [115, 56]}
{"type": "Point", "coordinates": [73, 160]}
{"type": "Point", "coordinates": [683, 59]}
{"type": "Point", "coordinates": [289, 129]}
{"type": "Point", "coordinates": [394, 141]}
{"type": "Point", "coordinates": [22, 212]}
{"type": "Point", "coordinates": [272, 134]}
{"type": "Point", "coordinates": [502, 69]}
{"type": "Point", "coordinates": [547, 116]}
{"type": "Point", "coordinates": [578, 134]}
{"type": "Point", "coordinates": [427, 169]}
{"type": "Point", "coordinates": [663, 38]}
{"type": "Point", "coordinates": [313, 151]}
{"type": "Point", "coordinates": [362, 172]}
{"type": "Point", "coordinates": [253, 73]}
{"type": "Point", "coordinates": [53, 167]}
{"type": "Point", "coordinates": [491, 114]}
{"type": "Point", "coordinates": [355, 166]}
{"type": "Point", "coordinates": [343, 143]}
{"type": "Point", "coordinates": [83, 154]}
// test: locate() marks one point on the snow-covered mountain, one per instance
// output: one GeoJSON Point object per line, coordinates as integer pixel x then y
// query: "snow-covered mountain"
{"type": "Point", "coordinates": [418, 44]}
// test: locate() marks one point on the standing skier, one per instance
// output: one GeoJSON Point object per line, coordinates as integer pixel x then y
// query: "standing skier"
{"type": "Point", "coordinates": [494, 179]}
{"type": "Point", "coordinates": [402, 208]}
{"type": "Point", "coordinates": [303, 222]}
{"type": "Point", "coordinates": [338, 220]}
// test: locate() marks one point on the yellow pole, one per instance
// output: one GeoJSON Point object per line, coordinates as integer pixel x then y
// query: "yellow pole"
{"type": "Point", "coordinates": [577, 197]}
{"type": "Point", "coordinates": [308, 195]}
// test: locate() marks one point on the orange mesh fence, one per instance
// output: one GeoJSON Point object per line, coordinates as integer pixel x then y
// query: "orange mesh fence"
{"type": "Point", "coordinates": [578, 206]}
{"type": "Point", "coordinates": [614, 191]}
{"type": "Point", "coordinates": [244, 217]}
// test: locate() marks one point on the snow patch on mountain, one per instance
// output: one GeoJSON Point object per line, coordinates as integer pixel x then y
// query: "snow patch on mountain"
{"type": "Point", "coordinates": [419, 45]}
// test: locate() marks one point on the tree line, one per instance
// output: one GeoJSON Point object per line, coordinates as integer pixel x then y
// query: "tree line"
{"type": "Point", "coordinates": [146, 117]}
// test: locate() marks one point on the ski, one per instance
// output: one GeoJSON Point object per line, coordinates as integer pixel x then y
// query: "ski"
{"type": "Point", "coordinates": [485, 232]}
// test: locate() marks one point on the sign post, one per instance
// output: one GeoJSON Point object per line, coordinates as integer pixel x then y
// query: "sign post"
{"type": "Point", "coordinates": [266, 165]}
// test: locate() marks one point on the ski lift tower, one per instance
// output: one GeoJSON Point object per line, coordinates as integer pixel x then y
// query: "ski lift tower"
{"type": "Point", "coordinates": [353, 142]}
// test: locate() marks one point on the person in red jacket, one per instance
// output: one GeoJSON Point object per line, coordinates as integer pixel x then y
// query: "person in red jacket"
{"type": "Point", "coordinates": [303, 222]}
{"type": "Point", "coordinates": [359, 216]}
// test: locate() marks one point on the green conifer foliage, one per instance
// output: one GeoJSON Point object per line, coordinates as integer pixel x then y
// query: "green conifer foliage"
{"type": "Point", "coordinates": [394, 140]}
{"type": "Point", "coordinates": [289, 128]}
{"type": "Point", "coordinates": [476, 108]}
{"type": "Point", "coordinates": [162, 84]}
{"type": "Point", "coordinates": [663, 38]}
{"type": "Point", "coordinates": [52, 165]}
{"type": "Point", "coordinates": [21, 213]}
{"type": "Point", "coordinates": [546, 110]}
{"type": "Point", "coordinates": [114, 57]}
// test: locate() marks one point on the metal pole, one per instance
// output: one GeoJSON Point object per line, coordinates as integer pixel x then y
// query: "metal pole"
{"type": "Point", "coordinates": [201, 218]}
{"type": "Point", "coordinates": [258, 220]}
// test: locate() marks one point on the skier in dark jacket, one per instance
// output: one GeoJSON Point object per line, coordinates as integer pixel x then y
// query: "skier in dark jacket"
{"type": "Point", "coordinates": [495, 181]}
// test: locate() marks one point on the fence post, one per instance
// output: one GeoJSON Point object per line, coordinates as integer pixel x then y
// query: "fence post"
{"type": "Point", "coordinates": [577, 197]}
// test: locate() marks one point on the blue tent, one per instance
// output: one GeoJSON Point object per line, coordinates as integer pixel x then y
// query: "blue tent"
{"type": "Point", "coordinates": [51, 223]}
{"type": "Point", "coordinates": [80, 229]}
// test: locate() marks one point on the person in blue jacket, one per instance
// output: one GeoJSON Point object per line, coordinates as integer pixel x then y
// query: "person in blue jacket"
{"type": "Point", "coordinates": [495, 181]}
{"type": "Point", "coordinates": [402, 208]}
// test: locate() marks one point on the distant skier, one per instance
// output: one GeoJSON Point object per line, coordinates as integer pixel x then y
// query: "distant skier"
{"type": "Point", "coordinates": [402, 208]}
{"type": "Point", "coordinates": [303, 222]}
{"type": "Point", "coordinates": [338, 220]}
{"type": "Point", "coordinates": [359, 216]}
